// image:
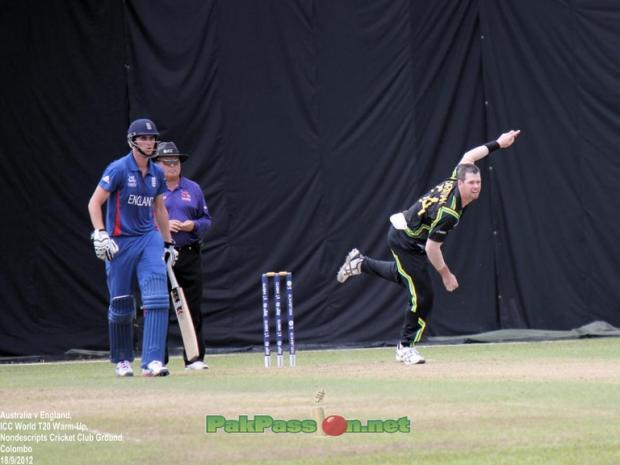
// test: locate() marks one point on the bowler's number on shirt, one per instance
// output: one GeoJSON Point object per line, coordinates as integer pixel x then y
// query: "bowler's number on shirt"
{"type": "Point", "coordinates": [427, 202]}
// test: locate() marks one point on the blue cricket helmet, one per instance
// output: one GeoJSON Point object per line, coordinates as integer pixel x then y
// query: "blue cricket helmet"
{"type": "Point", "coordinates": [142, 127]}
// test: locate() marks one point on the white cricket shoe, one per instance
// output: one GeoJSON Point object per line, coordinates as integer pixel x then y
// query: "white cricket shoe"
{"type": "Point", "coordinates": [155, 368]}
{"type": "Point", "coordinates": [123, 369]}
{"type": "Point", "coordinates": [197, 365]}
{"type": "Point", "coordinates": [352, 266]}
{"type": "Point", "coordinates": [408, 355]}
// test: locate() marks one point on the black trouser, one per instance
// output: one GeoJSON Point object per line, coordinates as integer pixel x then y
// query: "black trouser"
{"type": "Point", "coordinates": [410, 270]}
{"type": "Point", "coordinates": [188, 271]}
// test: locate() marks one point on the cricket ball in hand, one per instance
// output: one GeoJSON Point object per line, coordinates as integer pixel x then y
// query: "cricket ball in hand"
{"type": "Point", "coordinates": [334, 425]}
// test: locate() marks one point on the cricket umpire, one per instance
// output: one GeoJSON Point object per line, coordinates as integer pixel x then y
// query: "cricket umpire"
{"type": "Point", "coordinates": [189, 222]}
{"type": "Point", "coordinates": [415, 238]}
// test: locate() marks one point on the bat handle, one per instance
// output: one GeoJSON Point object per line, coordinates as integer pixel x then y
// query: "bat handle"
{"type": "Point", "coordinates": [171, 276]}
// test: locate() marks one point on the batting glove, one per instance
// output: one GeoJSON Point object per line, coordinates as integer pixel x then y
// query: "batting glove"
{"type": "Point", "coordinates": [105, 248]}
{"type": "Point", "coordinates": [170, 253]}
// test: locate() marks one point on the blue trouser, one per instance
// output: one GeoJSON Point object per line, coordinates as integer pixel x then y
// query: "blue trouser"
{"type": "Point", "coordinates": [141, 258]}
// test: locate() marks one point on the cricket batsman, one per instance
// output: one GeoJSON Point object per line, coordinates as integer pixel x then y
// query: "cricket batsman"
{"type": "Point", "coordinates": [132, 247]}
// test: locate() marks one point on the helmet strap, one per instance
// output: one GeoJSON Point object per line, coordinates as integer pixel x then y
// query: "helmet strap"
{"type": "Point", "coordinates": [133, 145]}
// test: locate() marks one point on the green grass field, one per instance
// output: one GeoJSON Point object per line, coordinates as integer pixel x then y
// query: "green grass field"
{"type": "Point", "coordinates": [531, 403]}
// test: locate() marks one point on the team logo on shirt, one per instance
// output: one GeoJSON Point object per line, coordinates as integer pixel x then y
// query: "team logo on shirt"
{"type": "Point", "coordinates": [106, 179]}
{"type": "Point", "coordinates": [140, 200]}
{"type": "Point", "coordinates": [131, 181]}
{"type": "Point", "coordinates": [186, 196]}
{"type": "Point", "coordinates": [154, 182]}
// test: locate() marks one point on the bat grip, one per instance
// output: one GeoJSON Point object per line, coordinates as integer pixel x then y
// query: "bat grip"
{"type": "Point", "coordinates": [171, 276]}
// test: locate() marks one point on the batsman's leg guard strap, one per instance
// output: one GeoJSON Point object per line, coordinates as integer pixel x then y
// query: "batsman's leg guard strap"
{"type": "Point", "coordinates": [121, 309]}
{"type": "Point", "coordinates": [155, 292]}
{"type": "Point", "coordinates": [120, 324]}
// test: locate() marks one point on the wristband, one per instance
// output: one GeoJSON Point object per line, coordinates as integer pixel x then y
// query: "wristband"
{"type": "Point", "coordinates": [92, 235]}
{"type": "Point", "coordinates": [492, 146]}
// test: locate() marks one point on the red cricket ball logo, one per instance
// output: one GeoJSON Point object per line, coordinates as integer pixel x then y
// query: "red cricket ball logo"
{"type": "Point", "coordinates": [334, 425]}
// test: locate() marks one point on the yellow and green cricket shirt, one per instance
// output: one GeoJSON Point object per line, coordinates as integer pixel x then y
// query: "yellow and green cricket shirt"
{"type": "Point", "coordinates": [435, 214]}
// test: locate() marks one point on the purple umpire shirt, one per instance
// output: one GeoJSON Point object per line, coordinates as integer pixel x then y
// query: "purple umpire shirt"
{"type": "Point", "coordinates": [187, 202]}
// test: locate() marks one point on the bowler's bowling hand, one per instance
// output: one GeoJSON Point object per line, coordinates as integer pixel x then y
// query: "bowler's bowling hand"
{"type": "Point", "coordinates": [508, 138]}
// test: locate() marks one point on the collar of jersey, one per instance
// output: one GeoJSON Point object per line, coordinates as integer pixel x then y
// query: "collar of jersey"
{"type": "Point", "coordinates": [457, 195]}
{"type": "Point", "coordinates": [180, 185]}
{"type": "Point", "coordinates": [133, 166]}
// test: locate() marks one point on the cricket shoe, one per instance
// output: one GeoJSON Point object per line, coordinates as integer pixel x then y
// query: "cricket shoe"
{"type": "Point", "coordinates": [123, 369]}
{"type": "Point", "coordinates": [155, 368]}
{"type": "Point", "coordinates": [408, 355]}
{"type": "Point", "coordinates": [352, 266]}
{"type": "Point", "coordinates": [197, 365]}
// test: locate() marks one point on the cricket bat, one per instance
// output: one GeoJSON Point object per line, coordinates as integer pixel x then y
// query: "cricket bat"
{"type": "Point", "coordinates": [184, 317]}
